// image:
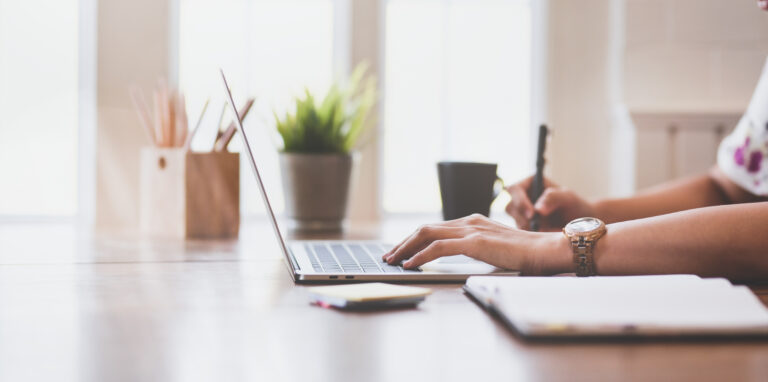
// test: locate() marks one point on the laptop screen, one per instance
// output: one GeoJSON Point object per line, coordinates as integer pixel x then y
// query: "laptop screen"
{"type": "Point", "coordinates": [255, 168]}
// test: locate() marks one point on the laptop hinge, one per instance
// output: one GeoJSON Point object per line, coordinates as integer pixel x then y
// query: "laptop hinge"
{"type": "Point", "coordinates": [295, 263]}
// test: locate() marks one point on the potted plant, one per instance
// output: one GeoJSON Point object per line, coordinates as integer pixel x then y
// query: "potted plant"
{"type": "Point", "coordinates": [317, 154]}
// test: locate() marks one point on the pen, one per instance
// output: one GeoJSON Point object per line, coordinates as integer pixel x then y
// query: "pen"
{"type": "Point", "coordinates": [537, 186]}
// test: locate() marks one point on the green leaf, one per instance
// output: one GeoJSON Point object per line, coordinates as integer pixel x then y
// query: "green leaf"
{"type": "Point", "coordinates": [335, 124]}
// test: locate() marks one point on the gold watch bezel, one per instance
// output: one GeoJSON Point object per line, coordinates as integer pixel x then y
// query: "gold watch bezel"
{"type": "Point", "coordinates": [592, 235]}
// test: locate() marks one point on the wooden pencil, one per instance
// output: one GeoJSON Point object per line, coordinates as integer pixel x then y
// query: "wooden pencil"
{"type": "Point", "coordinates": [223, 141]}
{"type": "Point", "coordinates": [159, 130]}
{"type": "Point", "coordinates": [137, 98]}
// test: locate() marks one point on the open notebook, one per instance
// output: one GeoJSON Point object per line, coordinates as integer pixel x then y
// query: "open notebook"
{"type": "Point", "coordinates": [670, 305]}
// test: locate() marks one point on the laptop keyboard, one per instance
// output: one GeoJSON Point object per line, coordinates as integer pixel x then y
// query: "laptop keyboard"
{"type": "Point", "coordinates": [351, 258]}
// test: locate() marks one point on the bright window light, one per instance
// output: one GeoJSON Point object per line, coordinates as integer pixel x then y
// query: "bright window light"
{"type": "Point", "coordinates": [38, 107]}
{"type": "Point", "coordinates": [269, 49]}
{"type": "Point", "coordinates": [457, 88]}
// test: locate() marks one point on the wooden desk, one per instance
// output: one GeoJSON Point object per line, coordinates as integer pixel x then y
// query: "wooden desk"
{"type": "Point", "coordinates": [78, 308]}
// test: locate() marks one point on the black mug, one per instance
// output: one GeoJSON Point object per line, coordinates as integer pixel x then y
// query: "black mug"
{"type": "Point", "coordinates": [467, 188]}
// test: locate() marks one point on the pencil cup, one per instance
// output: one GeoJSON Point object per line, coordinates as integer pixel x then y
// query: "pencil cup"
{"type": "Point", "coordinates": [189, 195]}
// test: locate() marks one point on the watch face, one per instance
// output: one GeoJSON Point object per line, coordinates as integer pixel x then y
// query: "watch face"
{"type": "Point", "coordinates": [582, 225]}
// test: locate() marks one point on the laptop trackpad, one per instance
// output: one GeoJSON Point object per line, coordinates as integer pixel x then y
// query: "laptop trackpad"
{"type": "Point", "coordinates": [459, 264]}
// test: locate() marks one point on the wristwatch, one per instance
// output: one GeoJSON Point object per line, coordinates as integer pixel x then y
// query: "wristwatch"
{"type": "Point", "coordinates": [583, 234]}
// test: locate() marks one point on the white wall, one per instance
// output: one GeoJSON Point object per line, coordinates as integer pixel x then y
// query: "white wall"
{"type": "Point", "coordinates": [133, 49]}
{"type": "Point", "coordinates": [690, 67]}
{"type": "Point", "coordinates": [670, 56]}
{"type": "Point", "coordinates": [580, 94]}
{"type": "Point", "coordinates": [692, 55]}
{"type": "Point", "coordinates": [365, 46]}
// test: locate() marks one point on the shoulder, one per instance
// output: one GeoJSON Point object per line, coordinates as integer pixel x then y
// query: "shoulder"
{"type": "Point", "coordinates": [743, 155]}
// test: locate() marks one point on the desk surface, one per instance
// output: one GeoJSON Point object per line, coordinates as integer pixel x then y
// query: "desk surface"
{"type": "Point", "coordinates": [74, 307]}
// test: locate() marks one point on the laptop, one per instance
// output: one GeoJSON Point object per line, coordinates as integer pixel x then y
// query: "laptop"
{"type": "Point", "coordinates": [353, 261]}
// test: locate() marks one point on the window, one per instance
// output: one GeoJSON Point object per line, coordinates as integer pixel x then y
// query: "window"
{"type": "Point", "coordinates": [456, 84]}
{"type": "Point", "coordinates": [269, 49]}
{"type": "Point", "coordinates": [457, 88]}
{"type": "Point", "coordinates": [38, 107]}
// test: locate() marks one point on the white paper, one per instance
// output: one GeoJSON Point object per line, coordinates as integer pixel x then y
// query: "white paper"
{"type": "Point", "coordinates": [674, 304]}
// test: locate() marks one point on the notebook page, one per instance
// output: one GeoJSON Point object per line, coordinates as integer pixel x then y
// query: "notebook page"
{"type": "Point", "coordinates": [675, 302]}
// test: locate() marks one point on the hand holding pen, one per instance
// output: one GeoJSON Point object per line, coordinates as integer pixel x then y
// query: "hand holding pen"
{"type": "Point", "coordinates": [537, 185]}
{"type": "Point", "coordinates": [538, 204]}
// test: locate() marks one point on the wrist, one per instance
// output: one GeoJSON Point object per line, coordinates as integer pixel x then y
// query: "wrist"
{"type": "Point", "coordinates": [552, 255]}
{"type": "Point", "coordinates": [604, 210]}
{"type": "Point", "coordinates": [597, 209]}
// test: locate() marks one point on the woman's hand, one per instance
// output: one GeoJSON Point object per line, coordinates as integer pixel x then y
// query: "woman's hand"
{"type": "Point", "coordinates": [483, 239]}
{"type": "Point", "coordinates": [556, 206]}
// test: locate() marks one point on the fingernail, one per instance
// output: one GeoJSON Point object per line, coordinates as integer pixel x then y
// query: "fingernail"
{"type": "Point", "coordinates": [407, 264]}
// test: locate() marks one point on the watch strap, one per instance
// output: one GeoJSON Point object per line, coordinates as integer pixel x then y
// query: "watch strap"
{"type": "Point", "coordinates": [583, 257]}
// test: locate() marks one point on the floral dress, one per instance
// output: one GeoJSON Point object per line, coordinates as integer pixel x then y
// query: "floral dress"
{"type": "Point", "coordinates": [743, 155]}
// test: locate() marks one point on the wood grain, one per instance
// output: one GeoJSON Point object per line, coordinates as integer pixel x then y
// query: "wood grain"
{"type": "Point", "coordinates": [74, 307]}
{"type": "Point", "coordinates": [212, 187]}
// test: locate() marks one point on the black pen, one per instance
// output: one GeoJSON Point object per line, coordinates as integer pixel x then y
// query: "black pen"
{"type": "Point", "coordinates": [537, 185]}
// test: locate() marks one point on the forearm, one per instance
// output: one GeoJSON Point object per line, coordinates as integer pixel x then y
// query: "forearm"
{"type": "Point", "coordinates": [726, 241]}
{"type": "Point", "coordinates": [684, 194]}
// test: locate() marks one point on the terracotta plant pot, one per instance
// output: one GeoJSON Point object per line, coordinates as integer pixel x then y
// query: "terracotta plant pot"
{"type": "Point", "coordinates": [316, 189]}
